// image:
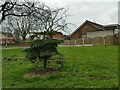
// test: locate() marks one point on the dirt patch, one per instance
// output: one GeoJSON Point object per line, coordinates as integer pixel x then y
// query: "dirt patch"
{"type": "Point", "coordinates": [42, 72]}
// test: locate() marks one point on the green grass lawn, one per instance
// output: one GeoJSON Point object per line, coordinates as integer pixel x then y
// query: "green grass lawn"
{"type": "Point", "coordinates": [85, 67]}
{"type": "Point", "coordinates": [9, 46]}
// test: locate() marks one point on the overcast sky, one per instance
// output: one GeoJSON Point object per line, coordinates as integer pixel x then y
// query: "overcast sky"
{"type": "Point", "coordinates": [100, 11]}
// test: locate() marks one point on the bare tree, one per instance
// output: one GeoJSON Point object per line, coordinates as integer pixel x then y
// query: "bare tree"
{"type": "Point", "coordinates": [6, 28]}
{"type": "Point", "coordinates": [50, 20]}
{"type": "Point", "coordinates": [17, 16]}
{"type": "Point", "coordinates": [22, 25]}
{"type": "Point", "coordinates": [14, 8]}
{"type": "Point", "coordinates": [45, 19]}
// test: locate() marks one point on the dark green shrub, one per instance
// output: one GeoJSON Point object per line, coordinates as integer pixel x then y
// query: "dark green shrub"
{"type": "Point", "coordinates": [42, 50]}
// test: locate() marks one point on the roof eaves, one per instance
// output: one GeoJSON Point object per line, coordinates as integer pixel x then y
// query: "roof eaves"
{"type": "Point", "coordinates": [79, 27]}
{"type": "Point", "coordinates": [111, 25]}
{"type": "Point", "coordinates": [96, 25]}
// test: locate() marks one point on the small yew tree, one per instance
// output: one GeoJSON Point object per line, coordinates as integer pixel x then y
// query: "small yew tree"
{"type": "Point", "coordinates": [43, 50]}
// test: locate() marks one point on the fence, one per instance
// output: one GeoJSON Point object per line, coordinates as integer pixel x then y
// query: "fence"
{"type": "Point", "coordinates": [107, 40]}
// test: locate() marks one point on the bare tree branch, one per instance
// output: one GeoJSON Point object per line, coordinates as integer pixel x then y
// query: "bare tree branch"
{"type": "Point", "coordinates": [7, 9]}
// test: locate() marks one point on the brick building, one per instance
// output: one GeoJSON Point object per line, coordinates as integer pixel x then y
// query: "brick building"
{"type": "Point", "coordinates": [91, 29]}
{"type": "Point", "coordinates": [59, 35]}
{"type": "Point", "coordinates": [5, 39]}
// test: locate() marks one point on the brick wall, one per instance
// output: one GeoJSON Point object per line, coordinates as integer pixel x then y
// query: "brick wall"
{"type": "Point", "coordinates": [8, 40]}
{"type": "Point", "coordinates": [83, 31]}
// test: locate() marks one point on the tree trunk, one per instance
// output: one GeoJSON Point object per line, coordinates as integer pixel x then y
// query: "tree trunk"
{"type": "Point", "coordinates": [51, 36]}
{"type": "Point", "coordinates": [1, 21]}
{"type": "Point", "coordinates": [24, 38]}
{"type": "Point", "coordinates": [45, 63]}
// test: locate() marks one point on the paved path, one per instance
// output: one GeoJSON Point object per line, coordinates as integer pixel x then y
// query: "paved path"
{"type": "Point", "coordinates": [12, 48]}
{"type": "Point", "coordinates": [75, 45]}
{"type": "Point", "coordinates": [59, 46]}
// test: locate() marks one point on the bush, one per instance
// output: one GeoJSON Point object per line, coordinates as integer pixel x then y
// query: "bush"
{"type": "Point", "coordinates": [43, 50]}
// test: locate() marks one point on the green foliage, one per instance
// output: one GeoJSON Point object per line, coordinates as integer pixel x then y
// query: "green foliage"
{"type": "Point", "coordinates": [51, 33]}
{"type": "Point", "coordinates": [84, 67]}
{"type": "Point", "coordinates": [17, 52]}
{"type": "Point", "coordinates": [42, 50]}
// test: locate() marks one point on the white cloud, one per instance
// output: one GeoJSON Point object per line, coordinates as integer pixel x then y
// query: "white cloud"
{"type": "Point", "coordinates": [101, 11]}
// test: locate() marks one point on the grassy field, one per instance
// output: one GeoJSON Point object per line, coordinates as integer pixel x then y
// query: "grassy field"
{"type": "Point", "coordinates": [85, 67]}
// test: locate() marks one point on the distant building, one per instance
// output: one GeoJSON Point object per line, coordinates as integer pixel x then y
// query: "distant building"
{"type": "Point", "coordinates": [91, 29]}
{"type": "Point", "coordinates": [56, 35]}
{"type": "Point", "coordinates": [59, 35]}
{"type": "Point", "coordinates": [6, 39]}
